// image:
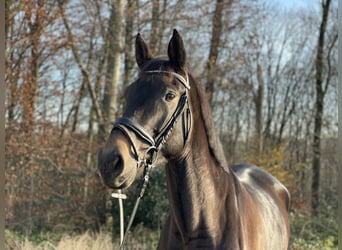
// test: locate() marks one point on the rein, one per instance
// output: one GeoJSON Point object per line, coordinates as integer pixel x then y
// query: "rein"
{"type": "Point", "coordinates": [128, 125]}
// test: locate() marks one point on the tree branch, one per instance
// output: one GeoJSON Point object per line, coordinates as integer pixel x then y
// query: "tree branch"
{"type": "Point", "coordinates": [83, 69]}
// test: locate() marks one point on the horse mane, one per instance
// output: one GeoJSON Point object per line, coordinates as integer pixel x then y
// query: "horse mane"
{"type": "Point", "coordinates": [215, 145]}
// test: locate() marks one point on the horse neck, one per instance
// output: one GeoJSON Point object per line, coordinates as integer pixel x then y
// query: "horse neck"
{"type": "Point", "coordinates": [198, 186]}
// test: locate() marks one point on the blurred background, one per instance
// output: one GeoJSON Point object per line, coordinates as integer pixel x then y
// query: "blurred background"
{"type": "Point", "coordinates": [270, 72]}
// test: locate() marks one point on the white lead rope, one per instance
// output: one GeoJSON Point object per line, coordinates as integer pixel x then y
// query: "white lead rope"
{"type": "Point", "coordinates": [120, 196]}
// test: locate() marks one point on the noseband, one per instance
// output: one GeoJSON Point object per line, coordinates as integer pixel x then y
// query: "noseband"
{"type": "Point", "coordinates": [127, 125]}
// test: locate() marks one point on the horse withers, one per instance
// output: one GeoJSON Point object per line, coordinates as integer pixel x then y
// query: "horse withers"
{"type": "Point", "coordinates": [212, 205]}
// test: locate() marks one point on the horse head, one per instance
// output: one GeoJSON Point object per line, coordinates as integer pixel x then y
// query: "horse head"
{"type": "Point", "coordinates": [154, 103]}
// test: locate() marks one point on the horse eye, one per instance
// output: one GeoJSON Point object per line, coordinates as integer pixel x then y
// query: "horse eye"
{"type": "Point", "coordinates": [170, 96]}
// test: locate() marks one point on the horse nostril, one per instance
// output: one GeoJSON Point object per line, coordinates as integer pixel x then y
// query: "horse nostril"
{"type": "Point", "coordinates": [116, 165]}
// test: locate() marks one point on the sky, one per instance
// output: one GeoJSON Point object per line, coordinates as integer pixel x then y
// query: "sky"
{"type": "Point", "coordinates": [292, 4]}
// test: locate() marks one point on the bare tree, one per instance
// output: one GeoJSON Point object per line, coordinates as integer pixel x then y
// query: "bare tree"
{"type": "Point", "coordinates": [214, 49]}
{"type": "Point", "coordinates": [129, 58]}
{"type": "Point", "coordinates": [114, 51]}
{"type": "Point", "coordinates": [321, 89]}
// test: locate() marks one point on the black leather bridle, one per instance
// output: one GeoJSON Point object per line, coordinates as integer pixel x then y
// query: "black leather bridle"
{"type": "Point", "coordinates": [128, 125]}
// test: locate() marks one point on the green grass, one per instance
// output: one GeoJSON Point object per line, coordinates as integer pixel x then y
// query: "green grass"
{"type": "Point", "coordinates": [314, 233]}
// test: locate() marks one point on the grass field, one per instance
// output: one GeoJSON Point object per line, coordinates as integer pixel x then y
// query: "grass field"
{"type": "Point", "coordinates": [145, 241]}
{"type": "Point", "coordinates": [86, 241]}
{"type": "Point", "coordinates": [140, 239]}
{"type": "Point", "coordinates": [307, 234]}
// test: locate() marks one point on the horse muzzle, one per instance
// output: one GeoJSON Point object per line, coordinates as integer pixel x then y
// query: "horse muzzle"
{"type": "Point", "coordinates": [116, 165]}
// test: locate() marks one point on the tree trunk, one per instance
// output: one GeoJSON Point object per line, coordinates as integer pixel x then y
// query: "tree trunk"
{"type": "Point", "coordinates": [214, 49]}
{"type": "Point", "coordinates": [30, 86]}
{"type": "Point", "coordinates": [31, 83]}
{"type": "Point", "coordinates": [163, 18]}
{"type": "Point", "coordinates": [319, 105]}
{"type": "Point", "coordinates": [113, 66]}
{"type": "Point", "coordinates": [129, 58]}
{"type": "Point", "coordinates": [258, 101]}
{"type": "Point", "coordinates": [154, 26]}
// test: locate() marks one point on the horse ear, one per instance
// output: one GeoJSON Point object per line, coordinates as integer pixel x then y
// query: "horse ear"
{"type": "Point", "coordinates": [142, 52]}
{"type": "Point", "coordinates": [176, 51]}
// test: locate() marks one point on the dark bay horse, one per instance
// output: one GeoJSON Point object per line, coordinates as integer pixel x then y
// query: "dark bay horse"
{"type": "Point", "coordinates": [212, 205]}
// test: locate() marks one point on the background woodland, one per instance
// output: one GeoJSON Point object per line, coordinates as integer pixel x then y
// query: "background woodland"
{"type": "Point", "coordinates": [270, 74]}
